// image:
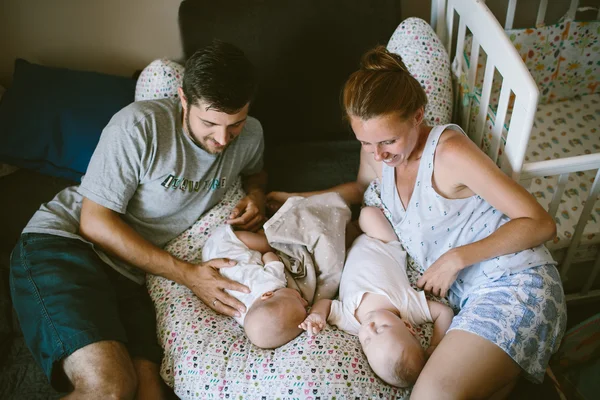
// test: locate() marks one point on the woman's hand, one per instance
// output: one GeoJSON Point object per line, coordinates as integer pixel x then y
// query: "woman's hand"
{"type": "Point", "coordinates": [276, 199]}
{"type": "Point", "coordinates": [438, 278]}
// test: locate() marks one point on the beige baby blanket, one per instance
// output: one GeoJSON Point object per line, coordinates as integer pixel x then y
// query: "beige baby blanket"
{"type": "Point", "coordinates": [311, 232]}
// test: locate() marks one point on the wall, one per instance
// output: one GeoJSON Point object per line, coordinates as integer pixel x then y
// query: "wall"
{"type": "Point", "coordinates": [121, 36]}
{"type": "Point", "coordinates": [111, 36]}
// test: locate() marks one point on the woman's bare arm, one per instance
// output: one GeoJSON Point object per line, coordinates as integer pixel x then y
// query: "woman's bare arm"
{"type": "Point", "coordinates": [461, 170]}
{"type": "Point", "coordinates": [462, 162]}
{"type": "Point", "coordinates": [351, 192]}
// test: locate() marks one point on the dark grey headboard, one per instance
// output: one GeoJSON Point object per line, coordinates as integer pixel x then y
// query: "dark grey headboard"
{"type": "Point", "coordinates": [304, 51]}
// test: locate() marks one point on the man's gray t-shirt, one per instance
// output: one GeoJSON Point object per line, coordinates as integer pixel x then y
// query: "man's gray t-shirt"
{"type": "Point", "coordinates": [147, 169]}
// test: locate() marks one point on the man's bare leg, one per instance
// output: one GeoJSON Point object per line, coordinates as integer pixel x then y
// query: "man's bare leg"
{"type": "Point", "coordinates": [150, 384]}
{"type": "Point", "coordinates": [101, 370]}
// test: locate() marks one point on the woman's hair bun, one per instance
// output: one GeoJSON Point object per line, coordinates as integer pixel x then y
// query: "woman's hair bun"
{"type": "Point", "coordinates": [380, 59]}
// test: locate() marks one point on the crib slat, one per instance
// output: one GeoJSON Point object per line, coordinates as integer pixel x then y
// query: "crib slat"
{"type": "Point", "coordinates": [500, 118]}
{"type": "Point", "coordinates": [438, 11]}
{"type": "Point", "coordinates": [592, 278]}
{"type": "Point", "coordinates": [484, 102]}
{"type": "Point", "coordinates": [433, 18]}
{"type": "Point", "coordinates": [449, 25]}
{"type": "Point", "coordinates": [572, 10]}
{"type": "Point", "coordinates": [560, 190]}
{"type": "Point", "coordinates": [583, 219]}
{"type": "Point", "coordinates": [539, 21]}
{"type": "Point", "coordinates": [541, 16]}
{"type": "Point", "coordinates": [471, 75]}
{"type": "Point", "coordinates": [510, 14]}
{"type": "Point", "coordinates": [460, 43]}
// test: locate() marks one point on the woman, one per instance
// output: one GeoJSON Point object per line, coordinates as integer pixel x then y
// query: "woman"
{"type": "Point", "coordinates": [477, 234]}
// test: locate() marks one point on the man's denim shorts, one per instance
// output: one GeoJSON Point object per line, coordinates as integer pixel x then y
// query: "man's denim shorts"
{"type": "Point", "coordinates": [66, 298]}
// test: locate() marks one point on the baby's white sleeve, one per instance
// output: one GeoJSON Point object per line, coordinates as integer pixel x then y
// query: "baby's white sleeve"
{"type": "Point", "coordinates": [276, 268]}
{"type": "Point", "coordinates": [342, 318]}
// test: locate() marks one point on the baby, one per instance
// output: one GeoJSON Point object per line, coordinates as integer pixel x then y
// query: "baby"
{"type": "Point", "coordinates": [274, 311]}
{"type": "Point", "coordinates": [374, 298]}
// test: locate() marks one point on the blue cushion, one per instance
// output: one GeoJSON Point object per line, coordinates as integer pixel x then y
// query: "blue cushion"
{"type": "Point", "coordinates": [51, 118]}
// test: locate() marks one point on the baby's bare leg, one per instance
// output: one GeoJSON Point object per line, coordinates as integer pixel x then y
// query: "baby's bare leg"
{"type": "Point", "coordinates": [254, 241]}
{"type": "Point", "coordinates": [375, 224]}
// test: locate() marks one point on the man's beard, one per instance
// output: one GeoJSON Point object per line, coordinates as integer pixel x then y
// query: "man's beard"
{"type": "Point", "coordinates": [188, 128]}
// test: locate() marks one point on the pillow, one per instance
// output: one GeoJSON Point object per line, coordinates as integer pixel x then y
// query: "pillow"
{"type": "Point", "coordinates": [160, 79]}
{"type": "Point", "coordinates": [51, 118]}
{"type": "Point", "coordinates": [427, 60]}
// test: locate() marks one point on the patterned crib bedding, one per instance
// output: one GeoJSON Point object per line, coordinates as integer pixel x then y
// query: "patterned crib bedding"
{"type": "Point", "coordinates": [208, 356]}
{"type": "Point", "coordinates": [564, 61]}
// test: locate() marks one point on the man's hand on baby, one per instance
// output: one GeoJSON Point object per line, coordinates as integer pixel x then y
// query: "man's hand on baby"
{"type": "Point", "coordinates": [208, 284]}
{"type": "Point", "coordinates": [313, 324]}
{"type": "Point", "coordinates": [249, 213]}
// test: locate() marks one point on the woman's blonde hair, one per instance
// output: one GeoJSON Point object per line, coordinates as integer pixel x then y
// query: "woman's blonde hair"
{"type": "Point", "coordinates": [381, 86]}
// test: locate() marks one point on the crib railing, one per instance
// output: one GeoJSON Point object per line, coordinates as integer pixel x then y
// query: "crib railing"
{"type": "Point", "coordinates": [541, 14]}
{"type": "Point", "coordinates": [519, 91]}
{"type": "Point", "coordinates": [563, 167]}
{"type": "Point", "coordinates": [488, 35]}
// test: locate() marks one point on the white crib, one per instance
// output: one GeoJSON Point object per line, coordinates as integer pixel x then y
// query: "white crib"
{"type": "Point", "coordinates": [496, 102]}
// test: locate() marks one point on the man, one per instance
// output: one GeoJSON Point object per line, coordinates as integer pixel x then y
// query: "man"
{"type": "Point", "coordinates": [77, 272]}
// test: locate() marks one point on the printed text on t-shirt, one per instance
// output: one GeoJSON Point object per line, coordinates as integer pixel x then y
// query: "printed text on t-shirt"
{"type": "Point", "coordinates": [174, 182]}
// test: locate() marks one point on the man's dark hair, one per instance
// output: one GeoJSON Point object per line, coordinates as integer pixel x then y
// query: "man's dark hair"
{"type": "Point", "coordinates": [220, 75]}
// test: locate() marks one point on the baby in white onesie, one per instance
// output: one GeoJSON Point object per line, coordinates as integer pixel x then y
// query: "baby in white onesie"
{"type": "Point", "coordinates": [375, 296]}
{"type": "Point", "coordinates": [274, 311]}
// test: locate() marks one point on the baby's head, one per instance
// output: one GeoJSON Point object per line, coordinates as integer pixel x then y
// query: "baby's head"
{"type": "Point", "coordinates": [273, 318]}
{"type": "Point", "coordinates": [394, 354]}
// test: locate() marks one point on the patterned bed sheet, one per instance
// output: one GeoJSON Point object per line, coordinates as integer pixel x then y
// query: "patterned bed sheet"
{"type": "Point", "coordinates": [207, 355]}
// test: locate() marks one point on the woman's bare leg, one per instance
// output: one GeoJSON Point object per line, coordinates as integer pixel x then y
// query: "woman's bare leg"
{"type": "Point", "coordinates": [466, 366]}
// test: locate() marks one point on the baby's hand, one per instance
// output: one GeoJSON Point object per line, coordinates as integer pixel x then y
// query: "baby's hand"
{"type": "Point", "coordinates": [313, 324]}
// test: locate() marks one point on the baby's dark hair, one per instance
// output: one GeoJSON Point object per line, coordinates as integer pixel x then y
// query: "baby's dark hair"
{"type": "Point", "coordinates": [406, 370]}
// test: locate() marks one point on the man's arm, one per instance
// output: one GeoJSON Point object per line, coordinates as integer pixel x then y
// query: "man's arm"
{"type": "Point", "coordinates": [106, 229]}
{"type": "Point", "coordinates": [442, 316]}
{"type": "Point", "coordinates": [249, 213]}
